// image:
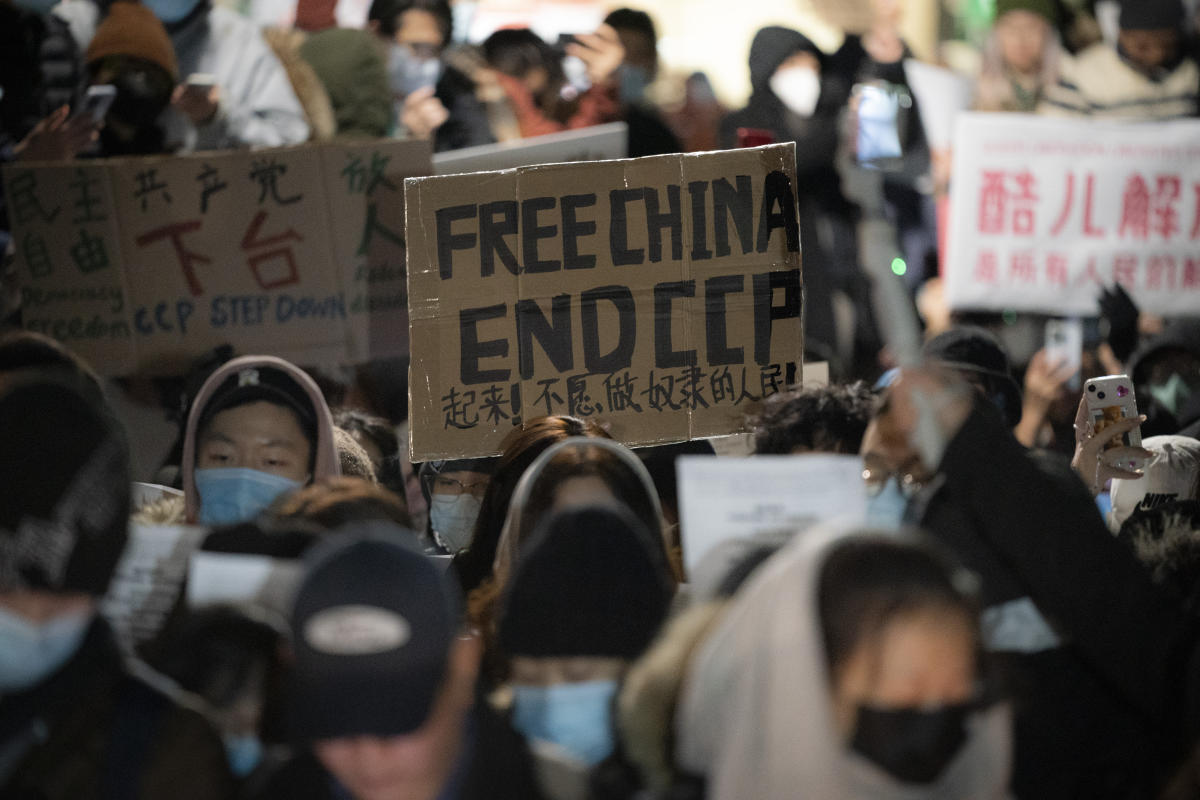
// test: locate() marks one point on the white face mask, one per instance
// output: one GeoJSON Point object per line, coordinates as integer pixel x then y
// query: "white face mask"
{"type": "Point", "coordinates": [799, 88]}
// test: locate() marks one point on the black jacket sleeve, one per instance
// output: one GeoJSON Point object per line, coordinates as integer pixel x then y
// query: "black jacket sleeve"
{"type": "Point", "coordinates": [1078, 574]}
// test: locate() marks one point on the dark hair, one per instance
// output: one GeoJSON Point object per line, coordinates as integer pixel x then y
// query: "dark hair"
{"type": "Point", "coordinates": [383, 435]}
{"type": "Point", "coordinates": [867, 582]}
{"type": "Point", "coordinates": [333, 502]}
{"type": "Point", "coordinates": [629, 19]}
{"type": "Point", "coordinates": [516, 51]}
{"type": "Point", "coordinates": [621, 480]}
{"type": "Point", "coordinates": [383, 383]}
{"type": "Point", "coordinates": [519, 449]}
{"type": "Point", "coordinates": [27, 350]}
{"type": "Point", "coordinates": [387, 14]}
{"type": "Point", "coordinates": [213, 652]}
{"type": "Point", "coordinates": [827, 419]}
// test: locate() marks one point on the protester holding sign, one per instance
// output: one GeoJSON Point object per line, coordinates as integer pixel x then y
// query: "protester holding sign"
{"type": "Point", "coordinates": [258, 428]}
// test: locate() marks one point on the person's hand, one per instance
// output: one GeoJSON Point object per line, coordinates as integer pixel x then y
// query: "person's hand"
{"type": "Point", "coordinates": [1121, 313]}
{"type": "Point", "coordinates": [422, 113]}
{"type": "Point", "coordinates": [1096, 463]}
{"type": "Point", "coordinates": [197, 103]}
{"type": "Point", "coordinates": [1045, 381]}
{"type": "Point", "coordinates": [58, 137]}
{"type": "Point", "coordinates": [602, 53]}
{"type": "Point", "coordinates": [927, 407]}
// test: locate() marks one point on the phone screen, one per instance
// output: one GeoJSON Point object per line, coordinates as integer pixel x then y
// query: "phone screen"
{"type": "Point", "coordinates": [878, 136]}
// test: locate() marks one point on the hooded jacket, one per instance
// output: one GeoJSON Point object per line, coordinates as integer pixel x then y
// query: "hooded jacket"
{"type": "Point", "coordinates": [325, 460]}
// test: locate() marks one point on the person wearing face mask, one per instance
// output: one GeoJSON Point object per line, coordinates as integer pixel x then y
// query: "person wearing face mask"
{"type": "Point", "coordinates": [382, 700]}
{"type": "Point", "coordinates": [847, 666]}
{"type": "Point", "coordinates": [434, 100]}
{"type": "Point", "coordinates": [258, 429]}
{"type": "Point", "coordinates": [252, 103]}
{"type": "Point", "coordinates": [75, 721]}
{"type": "Point", "coordinates": [1149, 75]}
{"type": "Point", "coordinates": [792, 101]}
{"type": "Point", "coordinates": [648, 133]}
{"type": "Point", "coordinates": [1166, 377]}
{"type": "Point", "coordinates": [588, 595]}
{"type": "Point", "coordinates": [455, 491]}
{"type": "Point", "coordinates": [1095, 652]}
{"type": "Point", "coordinates": [131, 51]}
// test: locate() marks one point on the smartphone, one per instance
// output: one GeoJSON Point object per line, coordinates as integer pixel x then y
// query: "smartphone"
{"type": "Point", "coordinates": [881, 110]}
{"type": "Point", "coordinates": [97, 101]}
{"type": "Point", "coordinates": [200, 80]}
{"type": "Point", "coordinates": [1111, 399]}
{"type": "Point", "coordinates": [754, 137]}
{"type": "Point", "coordinates": [1064, 345]}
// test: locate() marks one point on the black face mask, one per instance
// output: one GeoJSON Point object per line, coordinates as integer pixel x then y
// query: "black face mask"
{"type": "Point", "coordinates": [911, 745]}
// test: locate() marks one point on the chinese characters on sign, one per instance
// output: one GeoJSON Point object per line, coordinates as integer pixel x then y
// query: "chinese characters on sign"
{"type": "Point", "coordinates": [1044, 211]}
{"type": "Point", "coordinates": [148, 263]}
{"type": "Point", "coordinates": [659, 296]}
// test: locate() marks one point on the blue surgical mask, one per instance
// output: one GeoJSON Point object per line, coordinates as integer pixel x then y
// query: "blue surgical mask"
{"type": "Point", "coordinates": [229, 495]}
{"type": "Point", "coordinates": [31, 651]}
{"type": "Point", "coordinates": [452, 518]}
{"type": "Point", "coordinates": [171, 11]}
{"type": "Point", "coordinates": [575, 716]}
{"type": "Point", "coordinates": [886, 509]}
{"type": "Point", "coordinates": [244, 753]}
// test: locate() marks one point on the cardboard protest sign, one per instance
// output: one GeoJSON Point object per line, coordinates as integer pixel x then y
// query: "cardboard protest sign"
{"type": "Point", "coordinates": [594, 143]}
{"type": "Point", "coordinates": [1044, 211]}
{"type": "Point", "coordinates": [722, 499]}
{"type": "Point", "coordinates": [660, 295]}
{"type": "Point", "coordinates": [144, 264]}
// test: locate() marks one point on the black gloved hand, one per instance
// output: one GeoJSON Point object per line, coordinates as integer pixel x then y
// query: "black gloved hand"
{"type": "Point", "coordinates": [1118, 310]}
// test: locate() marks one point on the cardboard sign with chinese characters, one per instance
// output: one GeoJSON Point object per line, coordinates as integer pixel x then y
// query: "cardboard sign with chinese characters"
{"type": "Point", "coordinates": [1045, 211]}
{"type": "Point", "coordinates": [660, 296]}
{"type": "Point", "coordinates": [144, 264]}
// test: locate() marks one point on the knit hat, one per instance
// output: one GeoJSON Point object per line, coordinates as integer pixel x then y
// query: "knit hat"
{"type": "Point", "coordinates": [65, 503]}
{"type": "Point", "coordinates": [131, 29]}
{"type": "Point", "coordinates": [976, 352]}
{"type": "Point", "coordinates": [1172, 474]}
{"type": "Point", "coordinates": [590, 582]}
{"type": "Point", "coordinates": [1151, 15]}
{"type": "Point", "coordinates": [372, 626]}
{"type": "Point", "coordinates": [1043, 8]}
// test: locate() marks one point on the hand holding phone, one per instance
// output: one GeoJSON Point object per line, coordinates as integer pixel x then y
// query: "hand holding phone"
{"type": "Point", "coordinates": [97, 101]}
{"type": "Point", "coordinates": [1064, 349]}
{"type": "Point", "coordinates": [198, 97]}
{"type": "Point", "coordinates": [1108, 439]}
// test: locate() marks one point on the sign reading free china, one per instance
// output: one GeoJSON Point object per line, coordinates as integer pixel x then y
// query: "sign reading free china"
{"type": "Point", "coordinates": [661, 296]}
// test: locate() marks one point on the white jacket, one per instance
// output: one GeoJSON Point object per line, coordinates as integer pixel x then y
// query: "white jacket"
{"type": "Point", "coordinates": [258, 107]}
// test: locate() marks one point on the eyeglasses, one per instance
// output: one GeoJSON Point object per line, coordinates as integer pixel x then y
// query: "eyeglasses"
{"type": "Point", "coordinates": [445, 485]}
{"type": "Point", "coordinates": [876, 479]}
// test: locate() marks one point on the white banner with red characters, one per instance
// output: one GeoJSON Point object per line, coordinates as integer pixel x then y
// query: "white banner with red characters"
{"type": "Point", "coordinates": [1044, 211]}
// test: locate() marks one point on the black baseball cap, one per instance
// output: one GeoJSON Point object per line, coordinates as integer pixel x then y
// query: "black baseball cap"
{"type": "Point", "coordinates": [372, 626]}
{"type": "Point", "coordinates": [253, 384]}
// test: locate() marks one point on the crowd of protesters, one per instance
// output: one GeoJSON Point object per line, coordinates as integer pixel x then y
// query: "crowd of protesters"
{"type": "Point", "coordinates": [1013, 616]}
